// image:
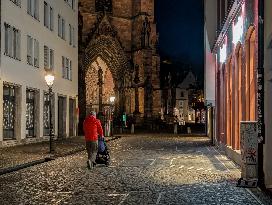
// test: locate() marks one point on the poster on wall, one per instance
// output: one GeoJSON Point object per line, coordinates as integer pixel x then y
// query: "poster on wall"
{"type": "Point", "coordinates": [249, 154]}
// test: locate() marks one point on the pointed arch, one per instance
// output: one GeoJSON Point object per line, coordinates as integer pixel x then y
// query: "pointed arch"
{"type": "Point", "coordinates": [251, 74]}
{"type": "Point", "coordinates": [228, 85]}
{"type": "Point", "coordinates": [238, 107]}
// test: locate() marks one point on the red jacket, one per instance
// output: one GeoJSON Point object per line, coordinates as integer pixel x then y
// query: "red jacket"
{"type": "Point", "coordinates": [92, 127]}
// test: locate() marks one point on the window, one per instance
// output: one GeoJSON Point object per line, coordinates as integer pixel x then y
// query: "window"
{"type": "Point", "coordinates": [181, 104]}
{"type": "Point", "coordinates": [30, 113]}
{"type": "Point", "coordinates": [66, 68]}
{"type": "Point", "coordinates": [46, 113]}
{"type": "Point", "coordinates": [182, 94]}
{"type": "Point", "coordinates": [33, 8]}
{"type": "Point", "coordinates": [61, 27]}
{"type": "Point", "coordinates": [71, 35]}
{"type": "Point", "coordinates": [32, 51]}
{"type": "Point", "coordinates": [12, 42]}
{"type": "Point", "coordinates": [48, 16]}
{"type": "Point", "coordinates": [103, 5]}
{"type": "Point", "coordinates": [51, 15]}
{"type": "Point", "coordinates": [48, 57]}
{"type": "Point", "coordinates": [71, 3]}
{"type": "Point", "coordinates": [17, 2]}
{"type": "Point", "coordinates": [9, 112]}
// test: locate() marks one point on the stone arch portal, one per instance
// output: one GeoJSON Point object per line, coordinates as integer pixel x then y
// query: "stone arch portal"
{"type": "Point", "coordinates": [105, 52]}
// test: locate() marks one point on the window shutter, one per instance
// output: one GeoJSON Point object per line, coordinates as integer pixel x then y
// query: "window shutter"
{"type": "Point", "coordinates": [51, 19]}
{"type": "Point", "coordinates": [29, 6]}
{"type": "Point", "coordinates": [36, 9]}
{"type": "Point", "coordinates": [63, 67]}
{"type": "Point", "coordinates": [63, 28]}
{"type": "Point", "coordinates": [45, 14]}
{"type": "Point", "coordinates": [11, 34]}
{"type": "Point", "coordinates": [46, 56]}
{"type": "Point", "coordinates": [36, 53]}
{"type": "Point", "coordinates": [18, 49]}
{"type": "Point", "coordinates": [70, 70]}
{"type": "Point", "coordinates": [51, 58]}
{"type": "Point", "coordinates": [67, 68]}
{"type": "Point", "coordinates": [6, 38]}
{"type": "Point", "coordinates": [70, 34]}
{"type": "Point", "coordinates": [59, 26]}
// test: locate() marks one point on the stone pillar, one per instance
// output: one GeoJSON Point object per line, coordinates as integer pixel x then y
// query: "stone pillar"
{"type": "Point", "coordinates": [148, 83]}
{"type": "Point", "coordinates": [136, 100]}
{"type": "Point", "coordinates": [136, 81]}
{"type": "Point", "coordinates": [100, 84]}
{"type": "Point", "coordinates": [20, 113]}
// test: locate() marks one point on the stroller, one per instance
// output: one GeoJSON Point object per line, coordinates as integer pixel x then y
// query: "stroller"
{"type": "Point", "coordinates": [103, 155]}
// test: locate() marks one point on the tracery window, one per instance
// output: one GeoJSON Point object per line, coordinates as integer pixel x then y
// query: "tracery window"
{"type": "Point", "coordinates": [103, 5]}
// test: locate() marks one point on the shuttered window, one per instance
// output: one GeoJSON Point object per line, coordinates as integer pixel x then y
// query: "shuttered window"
{"type": "Point", "coordinates": [12, 42]}
{"type": "Point", "coordinates": [33, 50]}
{"type": "Point", "coordinates": [61, 27]}
{"type": "Point", "coordinates": [48, 58]}
{"type": "Point", "coordinates": [33, 8]}
{"type": "Point", "coordinates": [48, 16]}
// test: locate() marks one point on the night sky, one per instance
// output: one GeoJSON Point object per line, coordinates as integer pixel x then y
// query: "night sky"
{"type": "Point", "coordinates": [180, 27]}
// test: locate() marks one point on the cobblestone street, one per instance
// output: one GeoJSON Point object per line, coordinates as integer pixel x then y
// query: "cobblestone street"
{"type": "Point", "coordinates": [144, 170]}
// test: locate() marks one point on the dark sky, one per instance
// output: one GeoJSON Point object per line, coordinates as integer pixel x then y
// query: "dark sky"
{"type": "Point", "coordinates": [180, 27]}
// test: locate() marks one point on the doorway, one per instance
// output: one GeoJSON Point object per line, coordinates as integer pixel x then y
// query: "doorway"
{"type": "Point", "coordinates": [61, 117]}
{"type": "Point", "coordinates": [72, 108]}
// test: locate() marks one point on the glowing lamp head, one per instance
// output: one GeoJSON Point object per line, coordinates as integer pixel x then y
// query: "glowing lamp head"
{"type": "Point", "coordinates": [112, 99]}
{"type": "Point", "coordinates": [49, 78]}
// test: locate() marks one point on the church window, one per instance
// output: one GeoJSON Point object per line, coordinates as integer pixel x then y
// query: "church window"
{"type": "Point", "coordinates": [103, 5]}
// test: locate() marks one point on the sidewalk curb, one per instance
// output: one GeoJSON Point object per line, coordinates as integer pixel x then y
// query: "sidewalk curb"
{"type": "Point", "coordinates": [46, 159]}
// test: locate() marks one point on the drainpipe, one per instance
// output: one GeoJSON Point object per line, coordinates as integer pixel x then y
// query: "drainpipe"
{"type": "Point", "coordinates": [260, 99]}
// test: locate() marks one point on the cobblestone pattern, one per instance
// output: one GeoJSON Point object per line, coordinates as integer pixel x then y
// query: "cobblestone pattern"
{"type": "Point", "coordinates": [144, 170]}
{"type": "Point", "coordinates": [14, 156]}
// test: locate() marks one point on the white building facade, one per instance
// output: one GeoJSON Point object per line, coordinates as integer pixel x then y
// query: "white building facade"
{"type": "Point", "coordinates": [183, 108]}
{"type": "Point", "coordinates": [37, 35]}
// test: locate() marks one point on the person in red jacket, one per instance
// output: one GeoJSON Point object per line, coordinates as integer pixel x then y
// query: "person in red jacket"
{"type": "Point", "coordinates": [92, 128]}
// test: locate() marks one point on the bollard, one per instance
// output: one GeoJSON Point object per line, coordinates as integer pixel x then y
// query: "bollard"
{"type": "Point", "coordinates": [132, 128]}
{"type": "Point", "coordinates": [188, 130]}
{"type": "Point", "coordinates": [176, 128]}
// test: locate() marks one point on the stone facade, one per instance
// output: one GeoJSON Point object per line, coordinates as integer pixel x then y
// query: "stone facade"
{"type": "Point", "coordinates": [122, 35]}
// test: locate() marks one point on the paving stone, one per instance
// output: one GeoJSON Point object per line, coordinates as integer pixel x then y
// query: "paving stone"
{"type": "Point", "coordinates": [144, 170]}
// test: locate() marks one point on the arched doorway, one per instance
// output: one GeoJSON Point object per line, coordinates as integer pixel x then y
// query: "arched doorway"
{"type": "Point", "coordinates": [93, 87]}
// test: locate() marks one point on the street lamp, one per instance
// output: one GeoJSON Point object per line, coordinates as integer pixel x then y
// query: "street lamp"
{"type": "Point", "coordinates": [49, 79]}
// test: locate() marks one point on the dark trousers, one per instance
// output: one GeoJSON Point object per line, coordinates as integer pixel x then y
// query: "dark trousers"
{"type": "Point", "coordinates": [92, 147]}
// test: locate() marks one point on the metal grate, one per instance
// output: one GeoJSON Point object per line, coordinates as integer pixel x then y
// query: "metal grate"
{"type": "Point", "coordinates": [9, 112]}
{"type": "Point", "coordinates": [30, 113]}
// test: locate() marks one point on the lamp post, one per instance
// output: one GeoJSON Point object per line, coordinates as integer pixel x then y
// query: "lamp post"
{"type": "Point", "coordinates": [112, 100]}
{"type": "Point", "coordinates": [49, 78]}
